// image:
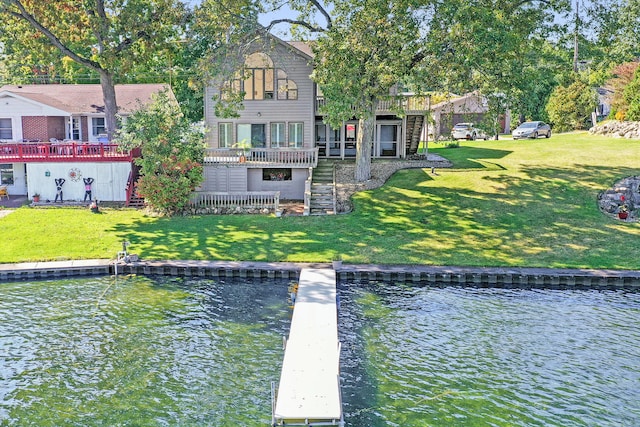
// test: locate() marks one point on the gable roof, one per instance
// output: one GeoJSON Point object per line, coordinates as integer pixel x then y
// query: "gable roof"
{"type": "Point", "coordinates": [84, 99]}
{"type": "Point", "coordinates": [304, 47]}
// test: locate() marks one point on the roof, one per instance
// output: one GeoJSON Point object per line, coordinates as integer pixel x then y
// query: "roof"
{"type": "Point", "coordinates": [457, 99]}
{"type": "Point", "coordinates": [84, 99]}
{"type": "Point", "coordinates": [304, 47]}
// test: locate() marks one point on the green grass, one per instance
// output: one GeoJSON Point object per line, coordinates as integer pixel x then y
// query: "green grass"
{"type": "Point", "coordinates": [504, 203]}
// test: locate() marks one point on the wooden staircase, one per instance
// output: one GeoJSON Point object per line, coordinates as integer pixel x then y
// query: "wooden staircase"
{"type": "Point", "coordinates": [133, 199]}
{"type": "Point", "coordinates": [323, 189]}
{"type": "Point", "coordinates": [415, 124]}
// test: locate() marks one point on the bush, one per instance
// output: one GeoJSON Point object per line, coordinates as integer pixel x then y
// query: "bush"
{"type": "Point", "coordinates": [570, 108]}
{"type": "Point", "coordinates": [631, 95]}
{"type": "Point", "coordinates": [172, 153]}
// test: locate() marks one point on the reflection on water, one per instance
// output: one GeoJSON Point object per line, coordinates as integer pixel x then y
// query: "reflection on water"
{"type": "Point", "coordinates": [430, 356]}
{"type": "Point", "coordinates": [165, 352]}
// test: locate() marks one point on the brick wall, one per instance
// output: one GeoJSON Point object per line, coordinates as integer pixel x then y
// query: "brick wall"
{"type": "Point", "coordinates": [43, 128]}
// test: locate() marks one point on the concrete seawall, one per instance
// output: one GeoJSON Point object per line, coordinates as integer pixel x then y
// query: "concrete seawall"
{"type": "Point", "coordinates": [461, 276]}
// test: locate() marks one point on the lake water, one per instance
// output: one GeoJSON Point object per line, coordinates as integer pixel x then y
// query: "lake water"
{"type": "Point", "coordinates": [167, 352]}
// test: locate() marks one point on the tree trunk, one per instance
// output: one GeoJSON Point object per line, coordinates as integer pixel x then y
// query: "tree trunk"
{"type": "Point", "coordinates": [110, 104]}
{"type": "Point", "coordinates": [364, 142]}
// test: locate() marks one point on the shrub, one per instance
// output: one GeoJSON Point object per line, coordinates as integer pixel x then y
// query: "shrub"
{"type": "Point", "coordinates": [570, 107]}
{"type": "Point", "coordinates": [172, 153]}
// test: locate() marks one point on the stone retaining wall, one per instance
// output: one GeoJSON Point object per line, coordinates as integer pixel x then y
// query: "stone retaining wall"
{"type": "Point", "coordinates": [617, 129]}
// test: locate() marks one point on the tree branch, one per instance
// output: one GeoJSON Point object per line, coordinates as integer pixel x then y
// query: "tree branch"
{"type": "Point", "coordinates": [26, 16]}
{"type": "Point", "coordinates": [305, 24]}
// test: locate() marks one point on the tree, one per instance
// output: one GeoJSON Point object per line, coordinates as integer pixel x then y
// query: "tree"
{"type": "Point", "coordinates": [370, 48]}
{"type": "Point", "coordinates": [107, 37]}
{"type": "Point", "coordinates": [631, 95]}
{"type": "Point", "coordinates": [621, 76]}
{"type": "Point", "coordinates": [172, 151]}
{"type": "Point", "coordinates": [363, 48]}
{"type": "Point", "coordinates": [570, 107]}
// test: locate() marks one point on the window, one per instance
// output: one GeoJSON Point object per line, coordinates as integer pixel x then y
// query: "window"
{"type": "Point", "coordinates": [6, 173]}
{"type": "Point", "coordinates": [276, 174]}
{"type": "Point", "coordinates": [225, 135]}
{"type": "Point", "coordinates": [295, 134]}
{"type": "Point", "coordinates": [258, 77]}
{"type": "Point", "coordinates": [287, 89]}
{"type": "Point", "coordinates": [5, 129]}
{"type": "Point", "coordinates": [74, 128]}
{"type": "Point", "coordinates": [251, 135]}
{"type": "Point", "coordinates": [259, 80]}
{"type": "Point", "coordinates": [98, 126]}
{"type": "Point", "coordinates": [277, 135]}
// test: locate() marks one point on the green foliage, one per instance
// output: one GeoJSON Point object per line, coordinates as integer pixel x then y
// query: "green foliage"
{"type": "Point", "coordinates": [570, 107]}
{"type": "Point", "coordinates": [172, 152]}
{"type": "Point", "coordinates": [631, 95]}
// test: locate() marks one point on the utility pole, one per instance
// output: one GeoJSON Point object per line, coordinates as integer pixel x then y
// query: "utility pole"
{"type": "Point", "coordinates": [575, 38]}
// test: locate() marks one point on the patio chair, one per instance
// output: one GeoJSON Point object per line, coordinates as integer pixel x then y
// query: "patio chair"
{"type": "Point", "coordinates": [4, 193]}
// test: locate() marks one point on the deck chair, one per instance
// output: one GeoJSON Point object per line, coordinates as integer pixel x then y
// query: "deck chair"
{"type": "Point", "coordinates": [4, 193]}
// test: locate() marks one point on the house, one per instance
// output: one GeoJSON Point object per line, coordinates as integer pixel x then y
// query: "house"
{"type": "Point", "coordinates": [48, 132]}
{"type": "Point", "coordinates": [471, 107]}
{"type": "Point", "coordinates": [279, 137]}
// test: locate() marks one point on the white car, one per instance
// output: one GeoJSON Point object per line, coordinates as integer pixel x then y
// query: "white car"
{"type": "Point", "coordinates": [467, 131]}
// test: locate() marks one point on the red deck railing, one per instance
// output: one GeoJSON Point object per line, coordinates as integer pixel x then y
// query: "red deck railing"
{"type": "Point", "coordinates": [62, 152]}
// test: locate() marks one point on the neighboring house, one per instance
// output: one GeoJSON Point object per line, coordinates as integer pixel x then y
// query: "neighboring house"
{"type": "Point", "coordinates": [469, 108]}
{"type": "Point", "coordinates": [282, 131]}
{"type": "Point", "coordinates": [49, 132]}
{"type": "Point", "coordinates": [603, 109]}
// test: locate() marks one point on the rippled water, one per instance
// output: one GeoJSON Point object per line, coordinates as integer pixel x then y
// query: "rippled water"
{"type": "Point", "coordinates": [168, 352]}
{"type": "Point", "coordinates": [430, 356]}
{"type": "Point", "coordinates": [143, 352]}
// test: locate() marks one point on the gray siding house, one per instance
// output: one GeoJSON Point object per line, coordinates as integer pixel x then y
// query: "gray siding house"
{"type": "Point", "coordinates": [279, 137]}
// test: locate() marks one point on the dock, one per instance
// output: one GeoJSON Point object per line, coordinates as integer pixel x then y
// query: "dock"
{"type": "Point", "coordinates": [309, 390]}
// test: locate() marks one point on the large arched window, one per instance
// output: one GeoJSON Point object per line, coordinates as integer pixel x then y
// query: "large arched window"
{"type": "Point", "coordinates": [260, 80]}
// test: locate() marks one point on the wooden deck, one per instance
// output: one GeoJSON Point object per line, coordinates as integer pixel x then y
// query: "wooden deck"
{"type": "Point", "coordinates": [309, 391]}
{"type": "Point", "coordinates": [35, 152]}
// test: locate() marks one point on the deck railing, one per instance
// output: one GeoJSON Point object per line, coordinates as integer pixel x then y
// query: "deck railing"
{"type": "Point", "coordinates": [262, 157]}
{"type": "Point", "coordinates": [404, 103]}
{"type": "Point", "coordinates": [61, 152]}
{"type": "Point", "coordinates": [245, 200]}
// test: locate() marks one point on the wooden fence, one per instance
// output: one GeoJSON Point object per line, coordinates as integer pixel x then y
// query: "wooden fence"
{"type": "Point", "coordinates": [245, 200]}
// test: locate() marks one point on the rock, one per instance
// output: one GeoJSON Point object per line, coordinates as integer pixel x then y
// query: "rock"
{"type": "Point", "coordinates": [617, 129]}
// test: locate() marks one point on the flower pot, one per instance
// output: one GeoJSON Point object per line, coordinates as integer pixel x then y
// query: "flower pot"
{"type": "Point", "coordinates": [36, 199]}
{"type": "Point", "coordinates": [336, 264]}
{"type": "Point", "coordinates": [243, 158]}
{"type": "Point", "coordinates": [623, 215]}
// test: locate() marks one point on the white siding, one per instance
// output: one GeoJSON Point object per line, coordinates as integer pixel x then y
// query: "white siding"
{"type": "Point", "coordinates": [109, 185]}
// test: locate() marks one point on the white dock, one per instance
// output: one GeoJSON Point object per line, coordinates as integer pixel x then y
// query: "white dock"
{"type": "Point", "coordinates": [309, 391]}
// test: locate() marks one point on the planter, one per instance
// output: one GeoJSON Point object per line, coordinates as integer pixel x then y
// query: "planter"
{"type": "Point", "coordinates": [623, 215]}
{"type": "Point", "coordinates": [36, 199]}
{"type": "Point", "coordinates": [336, 264]}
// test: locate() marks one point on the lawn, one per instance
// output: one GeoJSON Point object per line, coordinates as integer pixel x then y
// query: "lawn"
{"type": "Point", "coordinates": [504, 203]}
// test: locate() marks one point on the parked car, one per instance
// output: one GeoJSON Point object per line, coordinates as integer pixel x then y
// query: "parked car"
{"type": "Point", "coordinates": [532, 130]}
{"type": "Point", "coordinates": [467, 131]}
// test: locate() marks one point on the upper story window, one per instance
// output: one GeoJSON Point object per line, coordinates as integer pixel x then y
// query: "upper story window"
{"type": "Point", "coordinates": [287, 88]}
{"type": "Point", "coordinates": [260, 80]}
{"type": "Point", "coordinates": [6, 131]}
{"type": "Point", "coordinates": [97, 126]}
